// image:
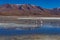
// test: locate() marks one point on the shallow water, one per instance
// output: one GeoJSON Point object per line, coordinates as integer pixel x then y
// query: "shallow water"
{"type": "Point", "coordinates": [41, 30]}
{"type": "Point", "coordinates": [46, 28]}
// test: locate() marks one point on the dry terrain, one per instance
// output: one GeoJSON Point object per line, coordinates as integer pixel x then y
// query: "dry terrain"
{"type": "Point", "coordinates": [31, 37]}
{"type": "Point", "coordinates": [28, 10]}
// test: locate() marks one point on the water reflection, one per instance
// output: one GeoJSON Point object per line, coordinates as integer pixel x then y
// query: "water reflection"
{"type": "Point", "coordinates": [51, 23]}
{"type": "Point", "coordinates": [48, 27]}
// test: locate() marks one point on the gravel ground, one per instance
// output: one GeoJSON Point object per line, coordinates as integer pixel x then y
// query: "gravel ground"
{"type": "Point", "coordinates": [31, 37]}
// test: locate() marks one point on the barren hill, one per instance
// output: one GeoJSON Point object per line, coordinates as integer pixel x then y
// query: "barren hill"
{"type": "Point", "coordinates": [27, 10]}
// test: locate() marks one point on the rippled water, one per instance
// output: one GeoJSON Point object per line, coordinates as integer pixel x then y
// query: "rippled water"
{"type": "Point", "coordinates": [49, 27]}
{"type": "Point", "coordinates": [39, 30]}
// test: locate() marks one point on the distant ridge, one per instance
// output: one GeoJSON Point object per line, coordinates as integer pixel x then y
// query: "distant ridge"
{"type": "Point", "coordinates": [27, 10]}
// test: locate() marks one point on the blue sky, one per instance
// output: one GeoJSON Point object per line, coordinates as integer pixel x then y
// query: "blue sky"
{"type": "Point", "coordinates": [42, 3]}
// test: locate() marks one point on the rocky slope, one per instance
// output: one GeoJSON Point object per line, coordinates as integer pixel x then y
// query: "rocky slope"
{"type": "Point", "coordinates": [27, 10]}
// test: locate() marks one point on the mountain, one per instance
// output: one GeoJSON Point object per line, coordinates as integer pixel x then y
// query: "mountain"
{"type": "Point", "coordinates": [27, 10]}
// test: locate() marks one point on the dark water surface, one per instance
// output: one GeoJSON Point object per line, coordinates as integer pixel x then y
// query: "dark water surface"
{"type": "Point", "coordinates": [41, 30]}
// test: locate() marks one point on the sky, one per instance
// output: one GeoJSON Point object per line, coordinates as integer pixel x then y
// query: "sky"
{"type": "Point", "coordinates": [42, 3]}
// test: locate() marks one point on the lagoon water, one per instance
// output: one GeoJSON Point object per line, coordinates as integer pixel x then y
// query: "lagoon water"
{"type": "Point", "coordinates": [45, 29]}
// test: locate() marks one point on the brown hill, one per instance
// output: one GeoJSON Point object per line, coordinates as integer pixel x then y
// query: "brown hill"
{"type": "Point", "coordinates": [27, 10]}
